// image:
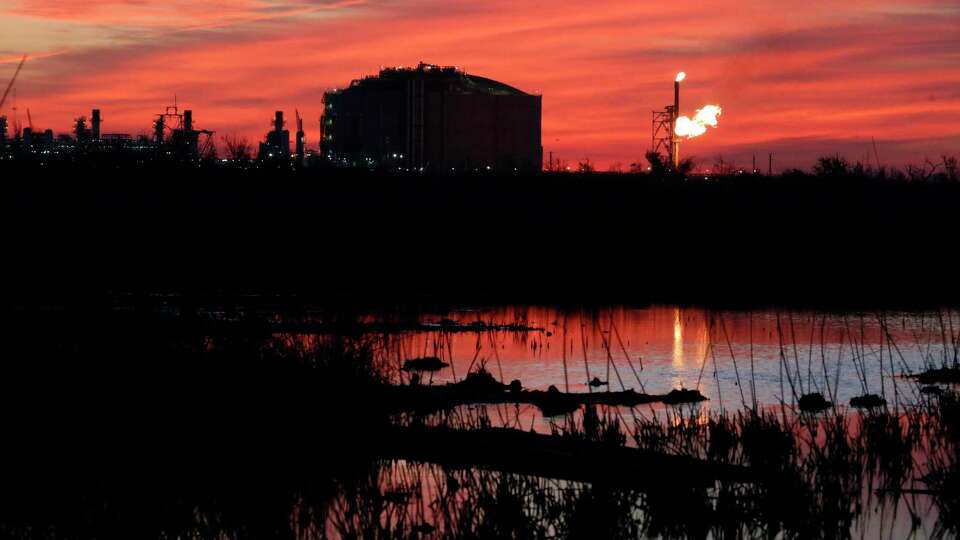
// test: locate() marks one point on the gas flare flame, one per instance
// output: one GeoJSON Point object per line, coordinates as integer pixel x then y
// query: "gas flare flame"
{"type": "Point", "coordinates": [681, 76]}
{"type": "Point", "coordinates": [696, 126]}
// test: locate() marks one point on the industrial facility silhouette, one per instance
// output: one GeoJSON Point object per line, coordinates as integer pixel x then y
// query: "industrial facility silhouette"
{"type": "Point", "coordinates": [433, 118]}
{"type": "Point", "coordinates": [425, 119]}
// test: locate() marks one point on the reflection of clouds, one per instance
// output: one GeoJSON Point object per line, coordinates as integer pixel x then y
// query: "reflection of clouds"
{"type": "Point", "coordinates": [674, 344]}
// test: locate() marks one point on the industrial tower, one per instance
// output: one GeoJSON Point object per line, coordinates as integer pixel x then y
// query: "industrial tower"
{"type": "Point", "coordinates": [665, 136]}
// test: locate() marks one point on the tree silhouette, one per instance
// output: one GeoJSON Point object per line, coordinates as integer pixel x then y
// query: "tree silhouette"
{"type": "Point", "coordinates": [238, 148]}
{"type": "Point", "coordinates": [659, 167]}
{"type": "Point", "coordinates": [831, 166]}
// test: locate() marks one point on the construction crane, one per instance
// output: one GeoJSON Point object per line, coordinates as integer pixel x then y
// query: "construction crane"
{"type": "Point", "coordinates": [13, 80]}
{"type": "Point", "coordinates": [30, 120]}
{"type": "Point", "coordinates": [207, 147]}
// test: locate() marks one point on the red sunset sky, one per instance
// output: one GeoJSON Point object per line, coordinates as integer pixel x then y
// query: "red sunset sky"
{"type": "Point", "coordinates": [799, 79]}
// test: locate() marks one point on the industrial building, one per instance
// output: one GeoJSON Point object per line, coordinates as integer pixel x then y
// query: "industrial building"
{"type": "Point", "coordinates": [174, 131]}
{"type": "Point", "coordinates": [432, 119]}
{"type": "Point", "coordinates": [277, 144]}
{"type": "Point", "coordinates": [174, 137]}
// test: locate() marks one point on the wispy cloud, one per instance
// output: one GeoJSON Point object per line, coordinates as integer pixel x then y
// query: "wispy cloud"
{"type": "Point", "coordinates": [836, 71]}
{"type": "Point", "coordinates": [168, 13]}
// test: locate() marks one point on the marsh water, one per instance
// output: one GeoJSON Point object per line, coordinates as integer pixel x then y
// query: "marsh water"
{"type": "Point", "coordinates": [736, 358]}
{"type": "Point", "coordinates": [741, 360]}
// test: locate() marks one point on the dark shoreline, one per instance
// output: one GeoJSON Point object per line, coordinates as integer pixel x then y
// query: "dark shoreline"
{"type": "Point", "coordinates": [357, 239]}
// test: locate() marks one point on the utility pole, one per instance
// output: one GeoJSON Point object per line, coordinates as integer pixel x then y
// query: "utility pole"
{"type": "Point", "coordinates": [770, 165]}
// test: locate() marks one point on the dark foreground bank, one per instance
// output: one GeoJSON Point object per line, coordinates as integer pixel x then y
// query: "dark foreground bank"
{"type": "Point", "coordinates": [627, 238]}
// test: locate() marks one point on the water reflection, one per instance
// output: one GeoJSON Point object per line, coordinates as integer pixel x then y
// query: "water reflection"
{"type": "Point", "coordinates": [294, 398]}
{"type": "Point", "coordinates": [407, 499]}
{"type": "Point", "coordinates": [677, 339]}
{"type": "Point", "coordinates": [733, 357]}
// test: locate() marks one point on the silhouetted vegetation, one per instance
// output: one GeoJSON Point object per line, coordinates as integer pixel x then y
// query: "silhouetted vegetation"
{"type": "Point", "coordinates": [834, 238]}
{"type": "Point", "coordinates": [143, 419]}
{"type": "Point", "coordinates": [138, 419]}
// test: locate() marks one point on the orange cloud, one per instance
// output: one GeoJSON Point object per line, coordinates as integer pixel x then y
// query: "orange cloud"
{"type": "Point", "coordinates": [167, 13]}
{"type": "Point", "coordinates": [838, 74]}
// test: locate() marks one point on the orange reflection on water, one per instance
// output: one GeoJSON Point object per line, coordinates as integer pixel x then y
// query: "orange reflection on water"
{"type": "Point", "coordinates": [728, 355]}
{"type": "Point", "coordinates": [692, 326]}
{"type": "Point", "coordinates": [678, 360]}
{"type": "Point", "coordinates": [617, 346]}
